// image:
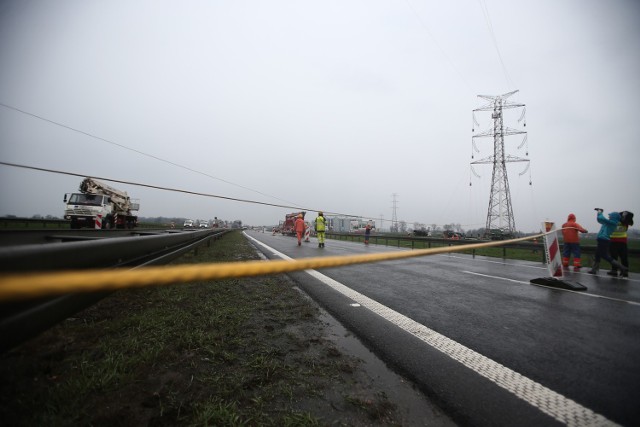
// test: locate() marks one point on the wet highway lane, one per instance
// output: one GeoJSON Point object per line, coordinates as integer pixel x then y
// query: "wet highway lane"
{"type": "Point", "coordinates": [580, 345]}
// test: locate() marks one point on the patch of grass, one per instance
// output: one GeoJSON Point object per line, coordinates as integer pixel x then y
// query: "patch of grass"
{"type": "Point", "coordinates": [233, 352]}
{"type": "Point", "coordinates": [379, 408]}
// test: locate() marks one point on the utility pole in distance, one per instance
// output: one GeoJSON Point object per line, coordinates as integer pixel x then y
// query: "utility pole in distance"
{"type": "Point", "coordinates": [394, 215]}
{"type": "Point", "coordinates": [500, 212]}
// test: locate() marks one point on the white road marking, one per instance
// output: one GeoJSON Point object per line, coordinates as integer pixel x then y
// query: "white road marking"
{"type": "Point", "coordinates": [525, 265]}
{"type": "Point", "coordinates": [499, 262]}
{"type": "Point", "coordinates": [548, 401]}
{"type": "Point", "coordinates": [496, 277]}
{"type": "Point", "coordinates": [582, 293]}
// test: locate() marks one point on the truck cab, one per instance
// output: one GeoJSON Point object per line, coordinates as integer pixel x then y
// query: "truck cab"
{"type": "Point", "coordinates": [83, 209]}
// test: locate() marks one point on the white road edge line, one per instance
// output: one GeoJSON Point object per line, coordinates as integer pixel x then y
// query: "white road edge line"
{"type": "Point", "coordinates": [555, 289]}
{"type": "Point", "coordinates": [548, 401]}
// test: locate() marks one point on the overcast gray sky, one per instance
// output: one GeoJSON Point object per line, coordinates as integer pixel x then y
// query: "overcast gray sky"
{"type": "Point", "coordinates": [331, 105]}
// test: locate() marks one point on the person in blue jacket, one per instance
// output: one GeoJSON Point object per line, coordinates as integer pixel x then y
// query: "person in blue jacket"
{"type": "Point", "coordinates": [604, 237]}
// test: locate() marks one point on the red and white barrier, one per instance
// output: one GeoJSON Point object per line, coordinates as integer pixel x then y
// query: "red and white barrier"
{"type": "Point", "coordinates": [307, 234]}
{"type": "Point", "coordinates": [554, 262]}
{"type": "Point", "coordinates": [98, 222]}
{"type": "Point", "coordinates": [552, 248]}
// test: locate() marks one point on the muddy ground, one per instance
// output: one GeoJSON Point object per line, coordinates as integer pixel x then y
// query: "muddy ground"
{"type": "Point", "coordinates": [252, 351]}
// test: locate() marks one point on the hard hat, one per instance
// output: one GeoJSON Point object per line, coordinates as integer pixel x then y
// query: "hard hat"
{"type": "Point", "coordinates": [320, 213]}
{"type": "Point", "coordinates": [299, 215]}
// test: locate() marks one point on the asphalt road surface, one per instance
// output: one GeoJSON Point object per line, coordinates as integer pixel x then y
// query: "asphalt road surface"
{"type": "Point", "coordinates": [480, 340]}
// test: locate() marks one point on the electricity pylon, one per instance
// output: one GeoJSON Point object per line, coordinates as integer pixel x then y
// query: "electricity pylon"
{"type": "Point", "coordinates": [394, 215]}
{"type": "Point", "coordinates": [500, 212]}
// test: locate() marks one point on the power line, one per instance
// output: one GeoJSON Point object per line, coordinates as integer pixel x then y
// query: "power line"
{"type": "Point", "coordinates": [156, 187]}
{"type": "Point", "coordinates": [176, 190]}
{"type": "Point", "coordinates": [444, 53]}
{"type": "Point", "coordinates": [137, 151]}
{"type": "Point", "coordinates": [487, 19]}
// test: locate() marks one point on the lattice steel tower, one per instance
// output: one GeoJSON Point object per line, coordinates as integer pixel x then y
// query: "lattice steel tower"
{"type": "Point", "coordinates": [500, 212]}
{"type": "Point", "coordinates": [394, 215]}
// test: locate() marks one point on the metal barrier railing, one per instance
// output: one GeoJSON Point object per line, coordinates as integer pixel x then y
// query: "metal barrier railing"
{"type": "Point", "coordinates": [414, 242]}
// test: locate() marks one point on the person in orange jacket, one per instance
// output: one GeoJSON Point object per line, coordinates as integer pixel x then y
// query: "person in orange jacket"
{"type": "Point", "coordinates": [571, 239]}
{"type": "Point", "coordinates": [299, 226]}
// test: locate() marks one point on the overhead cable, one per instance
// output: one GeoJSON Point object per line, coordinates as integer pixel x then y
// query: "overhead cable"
{"type": "Point", "coordinates": [156, 187]}
{"type": "Point", "coordinates": [487, 19]}
{"type": "Point", "coordinates": [137, 151]}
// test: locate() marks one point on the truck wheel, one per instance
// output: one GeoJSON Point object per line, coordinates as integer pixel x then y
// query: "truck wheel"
{"type": "Point", "coordinates": [74, 224]}
{"type": "Point", "coordinates": [106, 223]}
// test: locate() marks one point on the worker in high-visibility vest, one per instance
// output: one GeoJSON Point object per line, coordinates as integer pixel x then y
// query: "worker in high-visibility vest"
{"type": "Point", "coordinates": [618, 248]}
{"type": "Point", "coordinates": [604, 241]}
{"type": "Point", "coordinates": [320, 226]}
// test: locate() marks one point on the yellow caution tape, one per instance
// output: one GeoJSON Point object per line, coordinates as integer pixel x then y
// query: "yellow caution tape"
{"type": "Point", "coordinates": [30, 285]}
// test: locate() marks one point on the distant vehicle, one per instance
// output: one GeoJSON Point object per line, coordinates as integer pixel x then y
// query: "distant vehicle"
{"type": "Point", "coordinates": [498, 234]}
{"type": "Point", "coordinates": [449, 234]}
{"type": "Point", "coordinates": [358, 225]}
{"type": "Point", "coordinates": [100, 206]}
{"type": "Point", "coordinates": [286, 227]}
{"type": "Point", "coordinates": [422, 232]}
{"type": "Point", "coordinates": [204, 223]}
{"type": "Point", "coordinates": [189, 224]}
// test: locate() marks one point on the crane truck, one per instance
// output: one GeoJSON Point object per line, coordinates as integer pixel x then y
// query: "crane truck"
{"type": "Point", "coordinates": [98, 205]}
{"type": "Point", "coordinates": [287, 226]}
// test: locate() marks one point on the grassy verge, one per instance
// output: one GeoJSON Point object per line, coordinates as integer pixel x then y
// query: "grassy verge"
{"type": "Point", "coordinates": [233, 353]}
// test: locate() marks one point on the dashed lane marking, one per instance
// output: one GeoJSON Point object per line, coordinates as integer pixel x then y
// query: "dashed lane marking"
{"type": "Point", "coordinates": [496, 262]}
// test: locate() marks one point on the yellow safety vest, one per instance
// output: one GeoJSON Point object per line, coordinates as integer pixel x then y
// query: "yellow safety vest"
{"type": "Point", "coordinates": [620, 233]}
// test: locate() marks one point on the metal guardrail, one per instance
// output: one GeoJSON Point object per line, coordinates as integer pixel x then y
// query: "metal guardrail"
{"type": "Point", "coordinates": [9, 222]}
{"type": "Point", "coordinates": [17, 237]}
{"type": "Point", "coordinates": [99, 253]}
{"type": "Point", "coordinates": [31, 222]}
{"type": "Point", "coordinates": [24, 320]}
{"type": "Point", "coordinates": [428, 242]}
